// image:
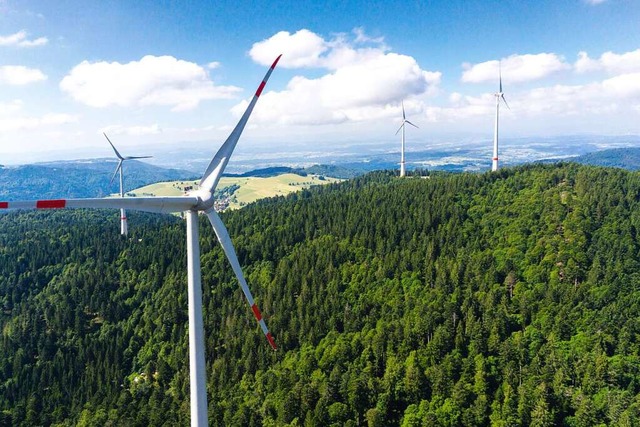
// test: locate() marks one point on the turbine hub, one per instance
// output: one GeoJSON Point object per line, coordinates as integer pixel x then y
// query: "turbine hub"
{"type": "Point", "coordinates": [205, 199]}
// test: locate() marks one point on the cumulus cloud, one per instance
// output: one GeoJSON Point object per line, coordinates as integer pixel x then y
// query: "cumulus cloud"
{"type": "Point", "coordinates": [18, 75]}
{"type": "Point", "coordinates": [25, 123]}
{"type": "Point", "coordinates": [11, 107]}
{"type": "Point", "coordinates": [154, 80]}
{"type": "Point", "coordinates": [610, 62]}
{"type": "Point", "coordinates": [302, 49]}
{"type": "Point", "coordinates": [515, 68]}
{"type": "Point", "coordinates": [362, 82]}
{"type": "Point", "coordinates": [139, 130]}
{"type": "Point", "coordinates": [19, 39]}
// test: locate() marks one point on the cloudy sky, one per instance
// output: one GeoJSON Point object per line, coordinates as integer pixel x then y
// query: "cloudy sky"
{"type": "Point", "coordinates": [170, 73]}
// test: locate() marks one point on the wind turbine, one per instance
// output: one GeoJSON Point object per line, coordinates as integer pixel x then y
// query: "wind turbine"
{"type": "Point", "coordinates": [123, 214]}
{"type": "Point", "coordinates": [499, 95]}
{"type": "Point", "coordinates": [200, 200]}
{"type": "Point", "coordinates": [402, 126]}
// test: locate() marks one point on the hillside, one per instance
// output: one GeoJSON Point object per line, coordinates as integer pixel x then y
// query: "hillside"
{"type": "Point", "coordinates": [90, 178]}
{"type": "Point", "coordinates": [241, 190]}
{"type": "Point", "coordinates": [507, 299]}
{"type": "Point", "coordinates": [625, 158]}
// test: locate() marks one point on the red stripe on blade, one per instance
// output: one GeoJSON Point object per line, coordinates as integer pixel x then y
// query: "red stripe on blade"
{"type": "Point", "coordinates": [256, 312]}
{"type": "Point", "coordinates": [495, 158]}
{"type": "Point", "coordinates": [276, 62]}
{"type": "Point", "coordinates": [259, 91]}
{"type": "Point", "coordinates": [271, 341]}
{"type": "Point", "coordinates": [4, 205]}
{"type": "Point", "coordinates": [50, 204]}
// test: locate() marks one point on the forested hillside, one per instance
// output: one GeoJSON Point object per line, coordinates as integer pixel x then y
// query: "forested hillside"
{"type": "Point", "coordinates": [79, 178]}
{"type": "Point", "coordinates": [506, 299]}
{"type": "Point", "coordinates": [626, 158]}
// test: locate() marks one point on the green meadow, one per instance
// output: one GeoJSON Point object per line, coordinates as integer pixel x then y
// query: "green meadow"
{"type": "Point", "coordinates": [251, 188]}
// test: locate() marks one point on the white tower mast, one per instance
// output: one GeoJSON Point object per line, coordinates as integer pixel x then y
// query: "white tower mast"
{"type": "Point", "coordinates": [499, 95]}
{"type": "Point", "coordinates": [123, 214]}
{"type": "Point", "coordinates": [404, 121]}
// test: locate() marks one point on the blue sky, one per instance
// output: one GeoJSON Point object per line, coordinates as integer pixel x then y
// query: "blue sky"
{"type": "Point", "coordinates": [169, 74]}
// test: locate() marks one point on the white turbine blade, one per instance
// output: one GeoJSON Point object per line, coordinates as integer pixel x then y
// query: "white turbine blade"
{"type": "Point", "coordinates": [500, 74]}
{"type": "Point", "coordinates": [146, 204]}
{"type": "Point", "coordinates": [227, 246]}
{"type": "Point", "coordinates": [403, 116]}
{"type": "Point", "coordinates": [219, 162]}
{"type": "Point", "coordinates": [137, 157]}
{"type": "Point", "coordinates": [116, 171]}
{"type": "Point", "coordinates": [113, 146]}
{"type": "Point", "coordinates": [505, 101]}
{"type": "Point", "coordinates": [400, 128]}
{"type": "Point", "coordinates": [407, 121]}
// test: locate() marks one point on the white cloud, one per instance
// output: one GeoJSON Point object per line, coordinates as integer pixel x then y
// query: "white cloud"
{"type": "Point", "coordinates": [154, 80]}
{"type": "Point", "coordinates": [302, 49]}
{"type": "Point", "coordinates": [515, 68]}
{"type": "Point", "coordinates": [11, 107]}
{"type": "Point", "coordinates": [610, 62]}
{"type": "Point", "coordinates": [20, 75]}
{"type": "Point", "coordinates": [19, 39]}
{"type": "Point", "coordinates": [25, 123]}
{"type": "Point", "coordinates": [363, 82]}
{"type": "Point", "coordinates": [594, 2]}
{"type": "Point", "coordinates": [140, 130]}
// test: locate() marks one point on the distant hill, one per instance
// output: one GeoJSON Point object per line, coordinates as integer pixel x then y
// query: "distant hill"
{"type": "Point", "coordinates": [625, 158]}
{"type": "Point", "coordinates": [268, 172]}
{"type": "Point", "coordinates": [342, 172]}
{"type": "Point", "coordinates": [80, 178]}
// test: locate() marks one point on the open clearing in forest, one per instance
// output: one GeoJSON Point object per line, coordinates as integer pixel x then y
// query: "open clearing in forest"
{"type": "Point", "coordinates": [250, 188]}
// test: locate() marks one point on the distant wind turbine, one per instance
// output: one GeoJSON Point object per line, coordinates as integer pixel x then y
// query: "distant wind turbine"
{"type": "Point", "coordinates": [198, 201]}
{"type": "Point", "coordinates": [499, 95]}
{"type": "Point", "coordinates": [402, 126]}
{"type": "Point", "coordinates": [123, 215]}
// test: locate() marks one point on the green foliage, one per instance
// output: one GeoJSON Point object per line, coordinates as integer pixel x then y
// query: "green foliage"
{"type": "Point", "coordinates": [508, 299]}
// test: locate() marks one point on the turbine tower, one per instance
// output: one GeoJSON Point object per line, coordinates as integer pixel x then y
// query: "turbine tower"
{"type": "Point", "coordinates": [123, 215]}
{"type": "Point", "coordinates": [499, 95]}
{"type": "Point", "coordinates": [200, 200]}
{"type": "Point", "coordinates": [402, 126]}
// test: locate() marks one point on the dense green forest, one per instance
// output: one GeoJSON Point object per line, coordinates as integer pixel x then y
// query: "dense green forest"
{"type": "Point", "coordinates": [503, 299]}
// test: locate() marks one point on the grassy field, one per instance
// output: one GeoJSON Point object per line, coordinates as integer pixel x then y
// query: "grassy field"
{"type": "Point", "coordinates": [251, 188]}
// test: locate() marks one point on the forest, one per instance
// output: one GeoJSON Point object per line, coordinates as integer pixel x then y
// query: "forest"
{"type": "Point", "coordinates": [440, 299]}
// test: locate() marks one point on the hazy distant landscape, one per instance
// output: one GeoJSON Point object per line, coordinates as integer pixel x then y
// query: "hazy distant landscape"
{"type": "Point", "coordinates": [91, 178]}
{"type": "Point", "coordinates": [453, 155]}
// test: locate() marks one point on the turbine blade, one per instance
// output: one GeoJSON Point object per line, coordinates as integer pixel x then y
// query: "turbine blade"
{"type": "Point", "coordinates": [403, 116]}
{"type": "Point", "coordinates": [145, 204]}
{"type": "Point", "coordinates": [227, 246]}
{"type": "Point", "coordinates": [219, 162]}
{"type": "Point", "coordinates": [113, 146]}
{"type": "Point", "coordinates": [505, 101]}
{"type": "Point", "coordinates": [137, 157]}
{"type": "Point", "coordinates": [116, 171]}
{"type": "Point", "coordinates": [407, 121]}
{"type": "Point", "coordinates": [400, 127]}
{"type": "Point", "coordinates": [500, 74]}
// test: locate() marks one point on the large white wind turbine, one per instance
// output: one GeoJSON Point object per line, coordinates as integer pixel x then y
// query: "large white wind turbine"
{"type": "Point", "coordinates": [123, 213]}
{"type": "Point", "coordinates": [402, 126]}
{"type": "Point", "coordinates": [499, 95]}
{"type": "Point", "coordinates": [200, 200]}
